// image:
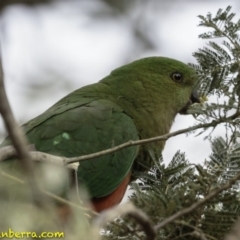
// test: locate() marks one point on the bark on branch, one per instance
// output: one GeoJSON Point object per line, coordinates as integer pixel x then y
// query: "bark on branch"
{"type": "Point", "coordinates": [18, 139]}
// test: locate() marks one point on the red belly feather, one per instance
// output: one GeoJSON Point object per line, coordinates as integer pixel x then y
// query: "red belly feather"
{"type": "Point", "coordinates": [99, 204]}
{"type": "Point", "coordinates": [112, 199]}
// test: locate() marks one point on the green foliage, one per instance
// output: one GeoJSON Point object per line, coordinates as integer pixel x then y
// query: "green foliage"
{"type": "Point", "coordinates": [219, 63]}
{"type": "Point", "coordinates": [166, 190]}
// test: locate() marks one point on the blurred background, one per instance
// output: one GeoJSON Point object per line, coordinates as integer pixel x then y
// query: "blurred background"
{"type": "Point", "coordinates": [50, 48]}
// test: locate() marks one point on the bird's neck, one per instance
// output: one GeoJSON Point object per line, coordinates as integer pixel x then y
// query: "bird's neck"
{"type": "Point", "coordinates": [152, 115]}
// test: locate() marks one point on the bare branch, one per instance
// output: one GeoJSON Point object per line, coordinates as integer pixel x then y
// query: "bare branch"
{"type": "Point", "coordinates": [18, 139]}
{"type": "Point", "coordinates": [9, 152]}
{"type": "Point", "coordinates": [124, 209]}
{"type": "Point", "coordinates": [44, 157]}
{"type": "Point", "coordinates": [153, 139]}
{"type": "Point", "coordinates": [198, 204]}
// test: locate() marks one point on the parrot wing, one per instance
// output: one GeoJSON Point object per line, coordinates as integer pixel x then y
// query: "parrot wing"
{"type": "Point", "coordinates": [91, 127]}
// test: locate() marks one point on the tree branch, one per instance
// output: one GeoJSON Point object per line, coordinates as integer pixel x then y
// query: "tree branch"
{"type": "Point", "coordinates": [18, 139]}
{"type": "Point", "coordinates": [165, 137]}
{"type": "Point", "coordinates": [36, 156]}
{"type": "Point", "coordinates": [7, 151]}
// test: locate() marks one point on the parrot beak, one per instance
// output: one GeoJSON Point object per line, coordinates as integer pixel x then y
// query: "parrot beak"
{"type": "Point", "coordinates": [193, 99]}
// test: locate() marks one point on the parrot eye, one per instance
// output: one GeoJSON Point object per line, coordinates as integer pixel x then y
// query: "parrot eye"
{"type": "Point", "coordinates": [177, 77]}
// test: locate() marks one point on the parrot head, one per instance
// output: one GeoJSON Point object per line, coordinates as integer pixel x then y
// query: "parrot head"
{"type": "Point", "coordinates": [158, 84]}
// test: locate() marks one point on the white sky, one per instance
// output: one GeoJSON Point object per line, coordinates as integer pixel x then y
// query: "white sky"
{"type": "Point", "coordinates": [52, 44]}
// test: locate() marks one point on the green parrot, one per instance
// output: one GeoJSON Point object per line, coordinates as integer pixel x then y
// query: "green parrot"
{"type": "Point", "coordinates": [136, 101]}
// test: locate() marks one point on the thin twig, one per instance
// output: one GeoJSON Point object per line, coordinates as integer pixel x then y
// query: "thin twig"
{"type": "Point", "coordinates": [40, 156]}
{"type": "Point", "coordinates": [201, 234]}
{"type": "Point", "coordinates": [165, 137]}
{"type": "Point", "coordinates": [198, 204]}
{"type": "Point", "coordinates": [18, 140]}
{"type": "Point", "coordinates": [124, 209]}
